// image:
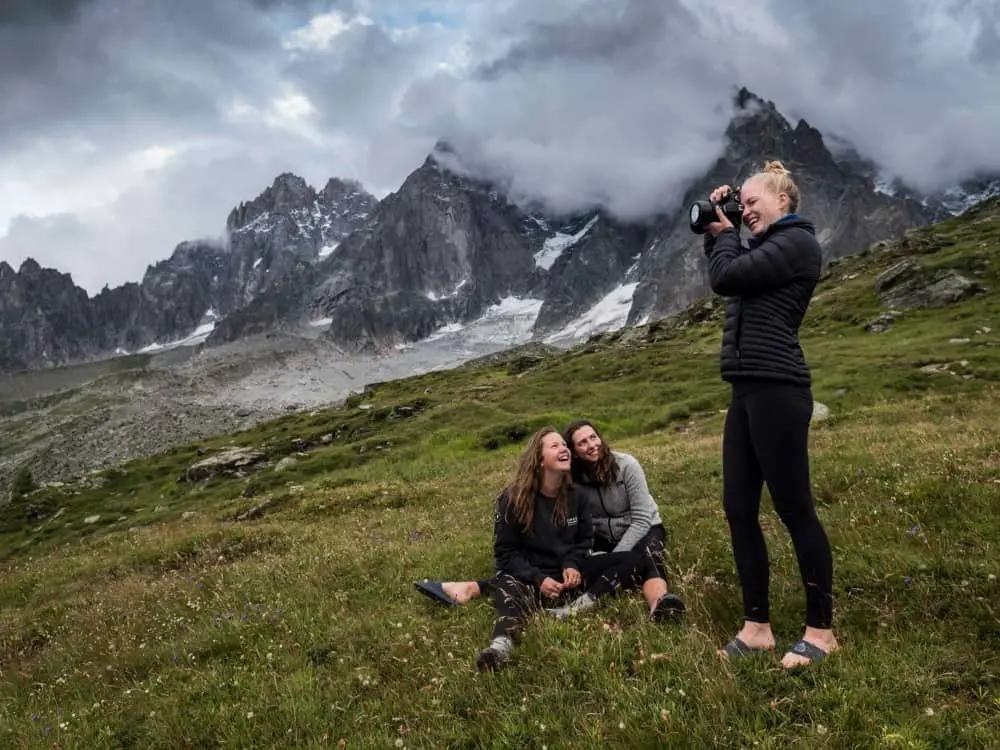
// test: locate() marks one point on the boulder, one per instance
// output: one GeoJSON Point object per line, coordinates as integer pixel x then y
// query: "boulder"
{"type": "Point", "coordinates": [255, 512]}
{"type": "Point", "coordinates": [882, 323]}
{"type": "Point", "coordinates": [906, 286]}
{"type": "Point", "coordinates": [900, 272]}
{"type": "Point", "coordinates": [232, 462]}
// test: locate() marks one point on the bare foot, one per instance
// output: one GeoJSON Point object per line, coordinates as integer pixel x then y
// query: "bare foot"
{"type": "Point", "coordinates": [461, 591]}
{"type": "Point", "coordinates": [823, 640]}
{"type": "Point", "coordinates": [755, 635]}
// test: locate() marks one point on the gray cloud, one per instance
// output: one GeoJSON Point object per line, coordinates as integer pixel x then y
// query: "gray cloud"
{"type": "Point", "coordinates": [911, 83]}
{"type": "Point", "coordinates": [128, 127]}
{"type": "Point", "coordinates": [617, 104]}
{"type": "Point", "coordinates": [37, 12]}
{"type": "Point", "coordinates": [621, 103]}
{"type": "Point", "coordinates": [188, 199]}
{"type": "Point", "coordinates": [143, 69]}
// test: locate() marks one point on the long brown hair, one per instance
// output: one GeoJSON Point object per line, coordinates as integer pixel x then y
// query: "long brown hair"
{"type": "Point", "coordinates": [604, 472]}
{"type": "Point", "coordinates": [527, 481]}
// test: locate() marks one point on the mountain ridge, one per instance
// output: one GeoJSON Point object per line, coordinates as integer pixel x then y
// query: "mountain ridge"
{"type": "Point", "coordinates": [46, 320]}
{"type": "Point", "coordinates": [439, 251]}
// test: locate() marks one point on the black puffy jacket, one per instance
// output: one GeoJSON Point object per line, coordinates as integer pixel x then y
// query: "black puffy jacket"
{"type": "Point", "coordinates": [769, 286]}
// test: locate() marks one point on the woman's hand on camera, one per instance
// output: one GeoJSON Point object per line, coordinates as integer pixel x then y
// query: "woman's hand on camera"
{"type": "Point", "coordinates": [723, 223]}
{"type": "Point", "coordinates": [716, 195]}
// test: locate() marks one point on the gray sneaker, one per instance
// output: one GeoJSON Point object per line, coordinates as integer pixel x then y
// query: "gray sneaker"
{"type": "Point", "coordinates": [491, 659]}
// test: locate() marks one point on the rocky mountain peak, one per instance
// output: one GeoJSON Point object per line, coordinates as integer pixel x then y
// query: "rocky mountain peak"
{"type": "Point", "coordinates": [337, 190]}
{"type": "Point", "coordinates": [30, 266]}
{"type": "Point", "coordinates": [445, 157]}
{"type": "Point", "coordinates": [287, 193]}
{"type": "Point", "coordinates": [752, 110]}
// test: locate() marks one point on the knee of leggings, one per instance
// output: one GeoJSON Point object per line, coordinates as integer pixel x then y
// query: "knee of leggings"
{"type": "Point", "coordinates": [798, 516]}
{"type": "Point", "coordinates": [738, 513]}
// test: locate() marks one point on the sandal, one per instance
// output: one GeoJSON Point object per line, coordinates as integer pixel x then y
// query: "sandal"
{"type": "Point", "coordinates": [811, 652]}
{"type": "Point", "coordinates": [667, 606]}
{"type": "Point", "coordinates": [736, 647]}
{"type": "Point", "coordinates": [435, 590]}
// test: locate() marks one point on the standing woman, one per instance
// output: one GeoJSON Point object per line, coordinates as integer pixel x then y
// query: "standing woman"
{"type": "Point", "coordinates": [769, 286]}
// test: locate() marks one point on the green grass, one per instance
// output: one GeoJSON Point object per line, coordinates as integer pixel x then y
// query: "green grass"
{"type": "Point", "coordinates": [167, 624]}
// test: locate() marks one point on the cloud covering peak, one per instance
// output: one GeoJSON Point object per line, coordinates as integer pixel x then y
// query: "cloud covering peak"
{"type": "Point", "coordinates": [128, 127]}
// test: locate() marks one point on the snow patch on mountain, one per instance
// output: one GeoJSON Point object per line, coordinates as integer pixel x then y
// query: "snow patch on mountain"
{"type": "Point", "coordinates": [884, 185]}
{"type": "Point", "coordinates": [437, 298]}
{"type": "Point", "coordinates": [197, 336]}
{"type": "Point", "coordinates": [559, 243]}
{"type": "Point", "coordinates": [959, 200]}
{"type": "Point", "coordinates": [505, 324]}
{"type": "Point", "coordinates": [609, 314]}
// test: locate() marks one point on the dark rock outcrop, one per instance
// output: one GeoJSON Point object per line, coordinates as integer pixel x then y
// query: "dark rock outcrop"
{"type": "Point", "coordinates": [442, 248]}
{"type": "Point", "coordinates": [589, 269]}
{"type": "Point", "coordinates": [45, 319]}
{"type": "Point", "coordinates": [906, 286]}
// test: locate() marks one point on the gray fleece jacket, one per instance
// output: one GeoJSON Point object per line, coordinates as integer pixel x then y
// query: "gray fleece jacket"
{"type": "Point", "coordinates": [624, 511]}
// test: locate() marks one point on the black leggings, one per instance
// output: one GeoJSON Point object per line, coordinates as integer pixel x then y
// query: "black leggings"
{"type": "Point", "coordinates": [601, 575]}
{"type": "Point", "coordinates": [766, 440]}
{"type": "Point", "coordinates": [653, 544]}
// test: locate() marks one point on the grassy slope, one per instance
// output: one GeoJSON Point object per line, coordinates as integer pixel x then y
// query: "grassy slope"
{"type": "Point", "coordinates": [152, 628]}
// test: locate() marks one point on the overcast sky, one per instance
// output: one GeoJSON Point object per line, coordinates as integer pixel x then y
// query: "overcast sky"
{"type": "Point", "coordinates": [127, 126]}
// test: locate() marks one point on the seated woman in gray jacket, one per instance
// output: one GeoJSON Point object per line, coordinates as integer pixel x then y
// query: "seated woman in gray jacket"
{"type": "Point", "coordinates": [624, 514]}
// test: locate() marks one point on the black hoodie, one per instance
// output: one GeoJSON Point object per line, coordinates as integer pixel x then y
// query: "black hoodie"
{"type": "Point", "coordinates": [550, 547]}
{"type": "Point", "coordinates": [769, 286]}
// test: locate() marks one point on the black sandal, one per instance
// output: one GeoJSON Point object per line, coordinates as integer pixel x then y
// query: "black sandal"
{"type": "Point", "coordinates": [666, 607]}
{"type": "Point", "coordinates": [435, 590]}
{"type": "Point", "coordinates": [811, 652]}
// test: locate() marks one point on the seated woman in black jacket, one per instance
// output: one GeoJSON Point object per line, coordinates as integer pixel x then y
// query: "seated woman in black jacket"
{"type": "Point", "coordinates": [625, 516]}
{"type": "Point", "coordinates": [542, 539]}
{"type": "Point", "coordinates": [769, 286]}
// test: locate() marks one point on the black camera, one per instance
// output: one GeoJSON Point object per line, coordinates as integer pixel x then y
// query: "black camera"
{"type": "Point", "coordinates": [702, 213]}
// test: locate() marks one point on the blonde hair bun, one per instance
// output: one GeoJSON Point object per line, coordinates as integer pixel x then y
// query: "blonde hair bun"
{"type": "Point", "coordinates": [775, 167]}
{"type": "Point", "coordinates": [780, 181]}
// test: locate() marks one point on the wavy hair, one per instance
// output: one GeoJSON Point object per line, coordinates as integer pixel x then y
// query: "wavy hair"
{"type": "Point", "coordinates": [527, 482]}
{"type": "Point", "coordinates": [602, 473]}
